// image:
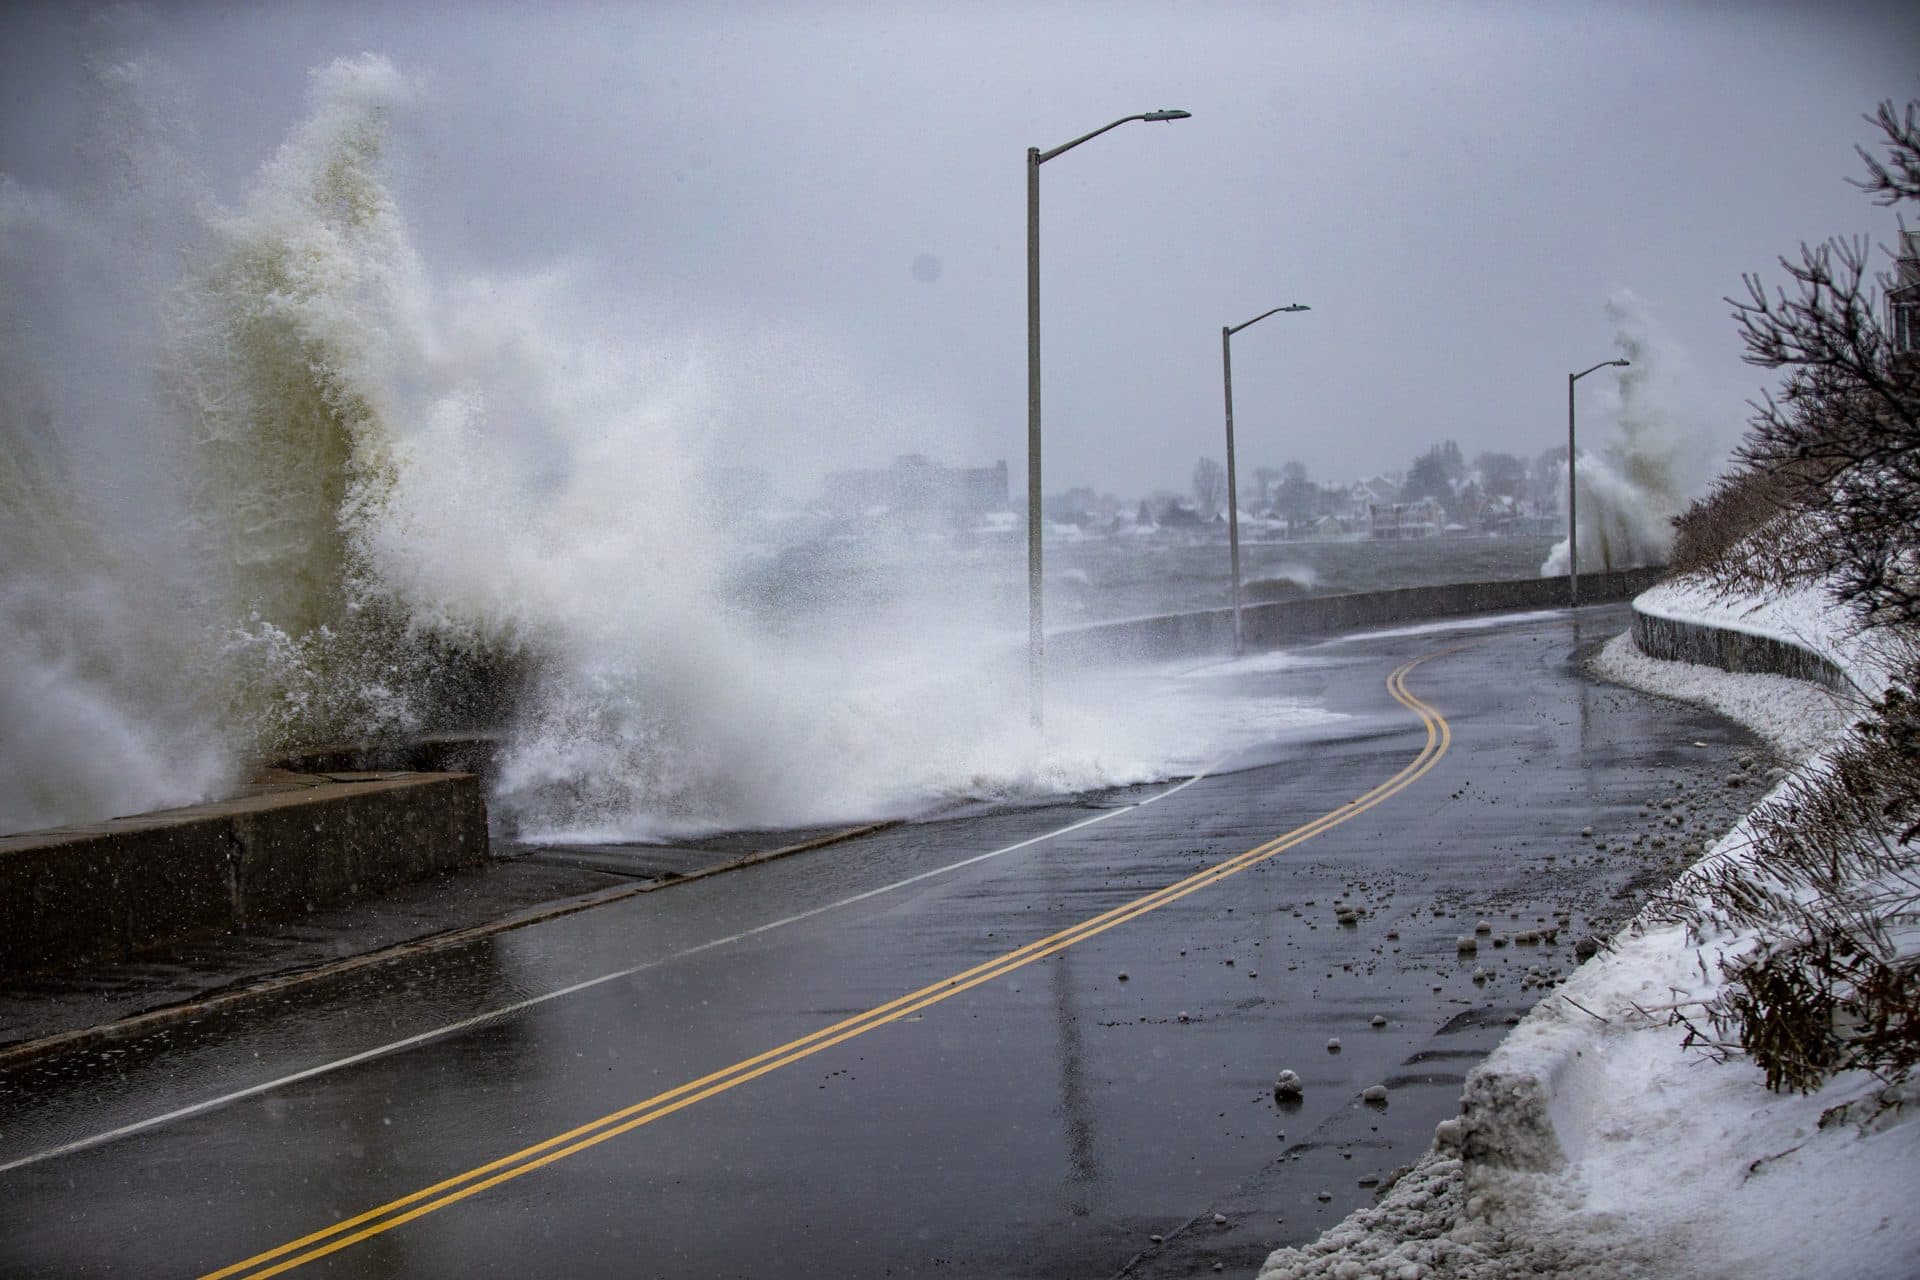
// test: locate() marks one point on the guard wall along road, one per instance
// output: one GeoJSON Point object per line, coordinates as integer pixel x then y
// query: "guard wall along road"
{"type": "Point", "coordinates": [1211, 631]}
{"type": "Point", "coordinates": [289, 844]}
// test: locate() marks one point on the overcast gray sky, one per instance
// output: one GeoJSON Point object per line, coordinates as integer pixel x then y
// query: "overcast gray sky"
{"type": "Point", "coordinates": [1455, 189]}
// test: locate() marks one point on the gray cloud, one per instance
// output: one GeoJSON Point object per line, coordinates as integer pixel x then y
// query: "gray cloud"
{"type": "Point", "coordinates": [825, 203]}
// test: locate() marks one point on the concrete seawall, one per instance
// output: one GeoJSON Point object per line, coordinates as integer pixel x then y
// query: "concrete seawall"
{"type": "Point", "coordinates": [1211, 631]}
{"type": "Point", "coordinates": [282, 847]}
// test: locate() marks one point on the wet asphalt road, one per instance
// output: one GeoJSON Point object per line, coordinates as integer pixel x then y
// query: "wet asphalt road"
{"type": "Point", "coordinates": [1049, 1120]}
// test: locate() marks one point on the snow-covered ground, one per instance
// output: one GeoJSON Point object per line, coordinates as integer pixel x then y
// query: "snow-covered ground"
{"type": "Point", "coordinates": [1797, 717]}
{"type": "Point", "coordinates": [1594, 1143]}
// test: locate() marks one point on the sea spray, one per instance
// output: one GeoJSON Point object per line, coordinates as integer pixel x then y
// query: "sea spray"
{"type": "Point", "coordinates": [400, 476]}
{"type": "Point", "coordinates": [394, 470]}
{"type": "Point", "coordinates": [285, 343]}
{"type": "Point", "coordinates": [109, 703]}
{"type": "Point", "coordinates": [105, 704]}
{"type": "Point", "coordinates": [513, 482]}
{"type": "Point", "coordinates": [389, 503]}
{"type": "Point", "coordinates": [1632, 486]}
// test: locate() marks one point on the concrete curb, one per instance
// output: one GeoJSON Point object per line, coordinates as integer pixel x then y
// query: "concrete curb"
{"type": "Point", "coordinates": [107, 889]}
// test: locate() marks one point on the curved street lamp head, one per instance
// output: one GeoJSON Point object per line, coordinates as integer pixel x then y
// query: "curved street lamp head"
{"type": "Point", "coordinates": [1037, 157]}
{"type": "Point", "coordinates": [1291, 306]}
{"type": "Point", "coordinates": [1604, 364]}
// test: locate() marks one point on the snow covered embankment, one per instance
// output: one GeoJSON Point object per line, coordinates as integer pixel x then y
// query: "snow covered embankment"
{"type": "Point", "coordinates": [1594, 1143]}
{"type": "Point", "coordinates": [1798, 634]}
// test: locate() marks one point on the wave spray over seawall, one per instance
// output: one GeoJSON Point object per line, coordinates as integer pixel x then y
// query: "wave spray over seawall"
{"type": "Point", "coordinates": [109, 701]}
{"type": "Point", "coordinates": [377, 502]}
{"type": "Point", "coordinates": [1632, 487]}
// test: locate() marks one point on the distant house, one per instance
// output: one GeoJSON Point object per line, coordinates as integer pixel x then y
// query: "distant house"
{"type": "Point", "coordinates": [1179, 515]}
{"type": "Point", "coordinates": [1903, 299]}
{"type": "Point", "coordinates": [1333, 527]}
{"type": "Point", "coordinates": [1402, 520]}
{"type": "Point", "coordinates": [1509, 516]}
{"type": "Point", "coordinates": [1355, 503]}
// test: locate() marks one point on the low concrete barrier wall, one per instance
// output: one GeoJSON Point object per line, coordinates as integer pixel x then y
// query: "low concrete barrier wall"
{"type": "Point", "coordinates": [110, 888]}
{"type": "Point", "coordinates": [1680, 641]}
{"type": "Point", "coordinates": [1266, 625]}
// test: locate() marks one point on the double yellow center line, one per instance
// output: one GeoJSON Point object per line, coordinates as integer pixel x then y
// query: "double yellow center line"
{"type": "Point", "coordinates": [394, 1213]}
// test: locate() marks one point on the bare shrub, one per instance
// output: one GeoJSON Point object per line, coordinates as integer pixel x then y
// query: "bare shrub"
{"type": "Point", "coordinates": [1841, 435]}
{"type": "Point", "coordinates": [1748, 533]}
{"type": "Point", "coordinates": [1707, 531]}
{"type": "Point", "coordinates": [1828, 491]}
{"type": "Point", "coordinates": [1830, 886]}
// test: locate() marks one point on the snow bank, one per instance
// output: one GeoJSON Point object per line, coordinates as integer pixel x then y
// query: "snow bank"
{"type": "Point", "coordinates": [1593, 1142]}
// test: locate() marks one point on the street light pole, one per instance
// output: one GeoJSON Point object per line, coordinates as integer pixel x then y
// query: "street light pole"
{"type": "Point", "coordinates": [1573, 523]}
{"type": "Point", "coordinates": [1036, 636]}
{"type": "Point", "coordinates": [1233, 488]}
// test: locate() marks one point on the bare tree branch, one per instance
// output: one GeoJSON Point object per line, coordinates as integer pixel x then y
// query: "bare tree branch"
{"type": "Point", "coordinates": [1899, 177]}
{"type": "Point", "coordinates": [1840, 436]}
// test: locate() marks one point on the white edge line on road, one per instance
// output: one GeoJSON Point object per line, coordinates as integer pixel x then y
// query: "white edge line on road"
{"type": "Point", "coordinates": [464, 1024]}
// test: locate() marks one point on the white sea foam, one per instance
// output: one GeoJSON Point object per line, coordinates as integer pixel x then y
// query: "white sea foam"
{"type": "Point", "coordinates": [1632, 486]}
{"type": "Point", "coordinates": [1451, 624]}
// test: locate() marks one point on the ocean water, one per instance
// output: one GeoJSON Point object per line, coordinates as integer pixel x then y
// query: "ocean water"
{"type": "Point", "coordinates": [1097, 578]}
{"type": "Point", "coordinates": [1180, 577]}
